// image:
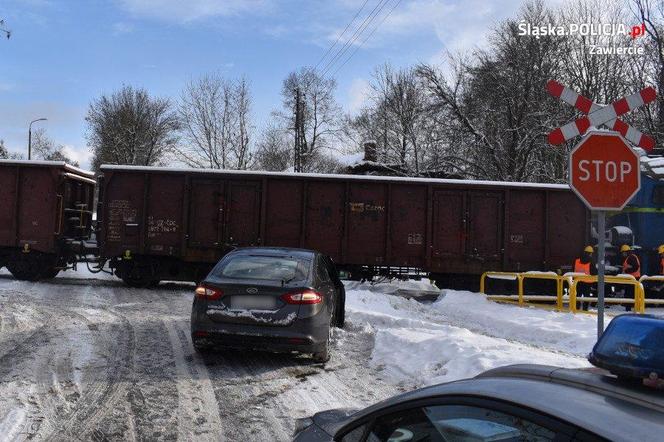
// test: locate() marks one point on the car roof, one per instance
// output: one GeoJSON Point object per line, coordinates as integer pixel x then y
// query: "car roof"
{"type": "Point", "coordinates": [590, 399]}
{"type": "Point", "coordinates": [275, 251]}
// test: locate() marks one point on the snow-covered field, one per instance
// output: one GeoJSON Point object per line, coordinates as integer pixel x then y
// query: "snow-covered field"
{"type": "Point", "coordinates": [83, 356]}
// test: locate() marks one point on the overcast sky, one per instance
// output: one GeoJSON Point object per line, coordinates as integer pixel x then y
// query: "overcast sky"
{"type": "Point", "coordinates": [64, 53]}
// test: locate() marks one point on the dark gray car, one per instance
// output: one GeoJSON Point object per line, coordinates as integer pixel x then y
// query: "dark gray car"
{"type": "Point", "coordinates": [276, 299]}
{"type": "Point", "coordinates": [513, 403]}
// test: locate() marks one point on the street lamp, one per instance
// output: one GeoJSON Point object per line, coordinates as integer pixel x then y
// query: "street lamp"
{"type": "Point", "coordinates": [30, 135]}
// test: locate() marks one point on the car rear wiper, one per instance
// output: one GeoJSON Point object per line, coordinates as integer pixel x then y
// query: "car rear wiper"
{"type": "Point", "coordinates": [286, 281]}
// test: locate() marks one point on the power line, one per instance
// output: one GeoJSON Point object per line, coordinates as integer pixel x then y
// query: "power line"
{"type": "Point", "coordinates": [367, 37]}
{"type": "Point", "coordinates": [358, 32]}
{"type": "Point", "coordinates": [5, 31]}
{"type": "Point", "coordinates": [342, 34]}
{"type": "Point", "coordinates": [343, 49]}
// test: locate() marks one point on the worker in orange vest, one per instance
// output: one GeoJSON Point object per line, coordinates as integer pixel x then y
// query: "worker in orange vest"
{"type": "Point", "coordinates": [583, 265]}
{"type": "Point", "coordinates": [631, 266]}
{"type": "Point", "coordinates": [631, 263]}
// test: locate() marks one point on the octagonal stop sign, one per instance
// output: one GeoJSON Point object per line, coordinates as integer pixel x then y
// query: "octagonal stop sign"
{"type": "Point", "coordinates": [604, 171]}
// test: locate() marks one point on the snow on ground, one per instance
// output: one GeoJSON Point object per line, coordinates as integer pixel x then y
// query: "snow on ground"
{"type": "Point", "coordinates": [462, 334]}
{"type": "Point", "coordinates": [84, 355]}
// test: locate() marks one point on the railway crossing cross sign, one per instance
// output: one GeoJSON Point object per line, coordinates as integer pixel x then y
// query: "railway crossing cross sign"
{"type": "Point", "coordinates": [604, 171]}
{"type": "Point", "coordinates": [598, 115]}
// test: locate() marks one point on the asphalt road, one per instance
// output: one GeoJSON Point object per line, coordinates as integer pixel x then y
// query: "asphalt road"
{"type": "Point", "coordinates": [92, 360]}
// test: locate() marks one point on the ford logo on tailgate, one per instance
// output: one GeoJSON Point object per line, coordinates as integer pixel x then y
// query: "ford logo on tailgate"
{"type": "Point", "coordinates": [252, 290]}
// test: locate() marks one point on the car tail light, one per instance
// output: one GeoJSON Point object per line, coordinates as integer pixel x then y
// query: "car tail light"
{"type": "Point", "coordinates": [208, 294]}
{"type": "Point", "coordinates": [303, 297]}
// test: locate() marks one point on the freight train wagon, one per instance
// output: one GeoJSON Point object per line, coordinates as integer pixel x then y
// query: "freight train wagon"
{"type": "Point", "coordinates": [174, 224]}
{"type": "Point", "coordinates": [45, 215]}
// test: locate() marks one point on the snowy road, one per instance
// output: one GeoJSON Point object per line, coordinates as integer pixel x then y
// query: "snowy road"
{"type": "Point", "coordinates": [93, 360]}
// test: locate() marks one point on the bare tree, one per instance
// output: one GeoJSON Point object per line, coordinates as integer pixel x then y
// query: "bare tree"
{"type": "Point", "coordinates": [397, 118]}
{"type": "Point", "coordinates": [649, 70]}
{"type": "Point", "coordinates": [241, 129]}
{"type": "Point", "coordinates": [215, 115]}
{"type": "Point", "coordinates": [274, 151]}
{"type": "Point", "coordinates": [5, 154]}
{"type": "Point", "coordinates": [322, 114]}
{"type": "Point", "coordinates": [130, 127]}
{"type": "Point", "coordinates": [497, 103]}
{"type": "Point", "coordinates": [600, 78]}
{"type": "Point", "coordinates": [46, 149]}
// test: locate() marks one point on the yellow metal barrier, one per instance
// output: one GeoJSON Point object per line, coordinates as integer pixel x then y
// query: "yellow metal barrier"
{"type": "Point", "coordinates": [511, 276]}
{"type": "Point", "coordinates": [572, 279]}
{"type": "Point", "coordinates": [646, 278]}
{"type": "Point", "coordinates": [558, 298]}
{"type": "Point", "coordinates": [520, 297]}
{"type": "Point", "coordinates": [638, 301]}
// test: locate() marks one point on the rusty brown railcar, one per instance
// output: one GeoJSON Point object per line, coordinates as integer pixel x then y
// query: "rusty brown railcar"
{"type": "Point", "coordinates": [45, 213]}
{"type": "Point", "coordinates": [175, 224]}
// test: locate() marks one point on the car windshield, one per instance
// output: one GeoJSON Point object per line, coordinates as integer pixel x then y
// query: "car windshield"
{"type": "Point", "coordinates": [280, 268]}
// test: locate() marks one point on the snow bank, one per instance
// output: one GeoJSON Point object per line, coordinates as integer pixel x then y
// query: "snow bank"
{"type": "Point", "coordinates": [450, 353]}
{"type": "Point", "coordinates": [557, 331]}
{"type": "Point", "coordinates": [462, 334]}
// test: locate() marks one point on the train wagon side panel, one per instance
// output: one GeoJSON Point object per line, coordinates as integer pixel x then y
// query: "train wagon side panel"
{"type": "Point", "coordinates": [203, 211]}
{"type": "Point", "coordinates": [485, 228]}
{"type": "Point", "coordinates": [467, 230]}
{"type": "Point", "coordinates": [163, 222]}
{"type": "Point", "coordinates": [367, 224]}
{"type": "Point", "coordinates": [526, 230]}
{"type": "Point", "coordinates": [32, 205]}
{"type": "Point", "coordinates": [407, 211]}
{"type": "Point", "coordinates": [284, 204]}
{"type": "Point", "coordinates": [448, 229]}
{"type": "Point", "coordinates": [325, 218]}
{"type": "Point", "coordinates": [124, 196]}
{"type": "Point", "coordinates": [242, 220]}
{"type": "Point", "coordinates": [8, 202]}
{"type": "Point", "coordinates": [566, 229]}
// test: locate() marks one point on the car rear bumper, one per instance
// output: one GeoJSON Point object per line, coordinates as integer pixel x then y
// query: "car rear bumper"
{"type": "Point", "coordinates": [307, 335]}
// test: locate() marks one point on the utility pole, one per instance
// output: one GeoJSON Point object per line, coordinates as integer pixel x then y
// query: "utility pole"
{"type": "Point", "coordinates": [300, 143]}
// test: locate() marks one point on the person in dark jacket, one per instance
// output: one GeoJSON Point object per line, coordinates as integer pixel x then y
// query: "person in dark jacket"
{"type": "Point", "coordinates": [584, 265]}
{"type": "Point", "coordinates": [631, 266]}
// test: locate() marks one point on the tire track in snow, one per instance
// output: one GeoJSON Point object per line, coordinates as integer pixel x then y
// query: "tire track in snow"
{"type": "Point", "coordinates": [198, 411]}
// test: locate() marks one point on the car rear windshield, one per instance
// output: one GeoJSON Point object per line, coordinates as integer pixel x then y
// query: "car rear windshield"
{"type": "Point", "coordinates": [287, 269]}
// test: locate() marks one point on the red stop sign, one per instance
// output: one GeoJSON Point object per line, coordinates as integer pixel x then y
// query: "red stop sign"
{"type": "Point", "coordinates": [604, 171]}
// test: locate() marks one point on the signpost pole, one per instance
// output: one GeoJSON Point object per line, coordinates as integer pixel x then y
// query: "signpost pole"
{"type": "Point", "coordinates": [601, 221]}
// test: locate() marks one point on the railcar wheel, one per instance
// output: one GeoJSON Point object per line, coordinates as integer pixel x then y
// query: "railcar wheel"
{"type": "Point", "coordinates": [50, 273]}
{"type": "Point", "coordinates": [138, 275]}
{"type": "Point", "coordinates": [138, 281]}
{"type": "Point", "coordinates": [24, 270]}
